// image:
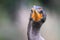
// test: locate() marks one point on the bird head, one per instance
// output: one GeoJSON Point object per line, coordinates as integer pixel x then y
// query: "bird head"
{"type": "Point", "coordinates": [37, 13]}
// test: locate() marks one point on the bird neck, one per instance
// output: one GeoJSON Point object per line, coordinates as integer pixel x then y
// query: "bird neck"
{"type": "Point", "coordinates": [36, 28]}
{"type": "Point", "coordinates": [34, 31]}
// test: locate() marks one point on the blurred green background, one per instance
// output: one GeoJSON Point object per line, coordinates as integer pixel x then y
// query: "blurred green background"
{"type": "Point", "coordinates": [14, 18]}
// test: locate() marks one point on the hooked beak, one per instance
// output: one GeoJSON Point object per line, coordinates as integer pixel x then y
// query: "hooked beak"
{"type": "Point", "coordinates": [36, 16]}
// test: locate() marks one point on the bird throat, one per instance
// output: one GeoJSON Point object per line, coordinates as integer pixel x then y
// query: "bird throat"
{"type": "Point", "coordinates": [34, 33]}
{"type": "Point", "coordinates": [36, 27]}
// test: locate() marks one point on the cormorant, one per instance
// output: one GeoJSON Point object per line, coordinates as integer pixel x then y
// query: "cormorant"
{"type": "Point", "coordinates": [37, 18]}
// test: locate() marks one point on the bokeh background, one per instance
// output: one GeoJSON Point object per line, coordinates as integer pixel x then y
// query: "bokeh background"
{"type": "Point", "coordinates": [14, 19]}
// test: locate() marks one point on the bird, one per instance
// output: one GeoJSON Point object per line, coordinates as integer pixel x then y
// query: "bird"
{"type": "Point", "coordinates": [37, 18]}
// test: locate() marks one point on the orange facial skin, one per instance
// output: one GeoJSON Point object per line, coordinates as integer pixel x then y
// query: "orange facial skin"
{"type": "Point", "coordinates": [36, 16]}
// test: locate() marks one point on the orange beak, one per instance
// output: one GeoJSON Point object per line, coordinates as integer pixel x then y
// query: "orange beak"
{"type": "Point", "coordinates": [36, 16]}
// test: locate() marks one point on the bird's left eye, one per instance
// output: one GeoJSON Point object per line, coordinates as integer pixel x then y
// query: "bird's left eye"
{"type": "Point", "coordinates": [31, 10]}
{"type": "Point", "coordinates": [41, 12]}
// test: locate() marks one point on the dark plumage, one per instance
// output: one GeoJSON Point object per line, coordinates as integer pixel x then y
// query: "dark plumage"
{"type": "Point", "coordinates": [37, 18]}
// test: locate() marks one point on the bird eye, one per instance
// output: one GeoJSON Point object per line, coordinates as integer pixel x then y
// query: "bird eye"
{"type": "Point", "coordinates": [41, 12]}
{"type": "Point", "coordinates": [31, 10]}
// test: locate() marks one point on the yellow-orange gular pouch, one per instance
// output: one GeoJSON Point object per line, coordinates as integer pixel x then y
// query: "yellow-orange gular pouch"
{"type": "Point", "coordinates": [36, 16]}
